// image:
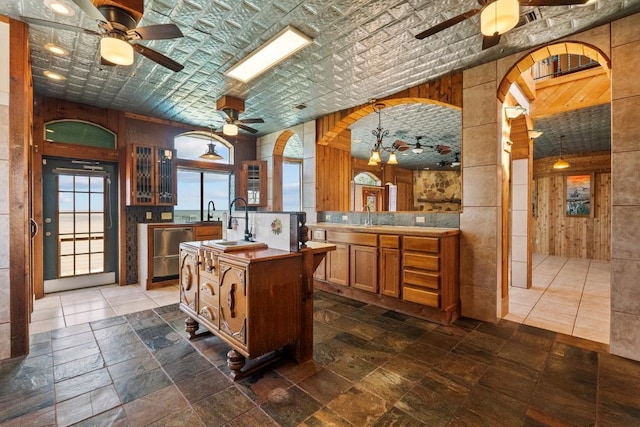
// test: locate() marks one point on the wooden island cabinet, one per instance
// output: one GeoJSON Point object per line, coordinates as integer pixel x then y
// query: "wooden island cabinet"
{"type": "Point", "coordinates": [413, 270]}
{"type": "Point", "coordinates": [255, 300]}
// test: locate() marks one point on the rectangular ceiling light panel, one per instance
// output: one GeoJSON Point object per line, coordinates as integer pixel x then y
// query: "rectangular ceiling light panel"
{"type": "Point", "coordinates": [277, 49]}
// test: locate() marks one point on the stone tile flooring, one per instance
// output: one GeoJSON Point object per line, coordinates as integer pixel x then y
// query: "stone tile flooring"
{"type": "Point", "coordinates": [370, 367]}
{"type": "Point", "coordinates": [568, 295]}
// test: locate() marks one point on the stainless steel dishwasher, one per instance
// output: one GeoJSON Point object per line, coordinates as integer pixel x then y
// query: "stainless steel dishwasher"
{"type": "Point", "coordinates": [166, 251]}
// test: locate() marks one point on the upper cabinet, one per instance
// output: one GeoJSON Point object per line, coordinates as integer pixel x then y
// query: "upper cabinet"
{"type": "Point", "coordinates": [253, 182]}
{"type": "Point", "coordinates": [153, 176]}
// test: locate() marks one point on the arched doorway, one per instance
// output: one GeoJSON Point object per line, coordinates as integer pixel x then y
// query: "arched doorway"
{"type": "Point", "coordinates": [560, 293]}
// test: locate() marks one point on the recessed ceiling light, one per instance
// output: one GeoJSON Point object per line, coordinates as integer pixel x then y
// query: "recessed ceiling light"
{"type": "Point", "coordinates": [277, 49]}
{"type": "Point", "coordinates": [56, 50]}
{"type": "Point", "coordinates": [53, 76]}
{"type": "Point", "coordinates": [60, 7]}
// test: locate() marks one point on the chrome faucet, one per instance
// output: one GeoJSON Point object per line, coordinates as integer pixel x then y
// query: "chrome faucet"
{"type": "Point", "coordinates": [368, 220]}
{"type": "Point", "coordinates": [247, 234]}
{"type": "Point", "coordinates": [211, 207]}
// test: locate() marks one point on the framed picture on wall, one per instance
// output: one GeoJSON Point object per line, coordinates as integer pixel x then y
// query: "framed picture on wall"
{"type": "Point", "coordinates": [578, 195]}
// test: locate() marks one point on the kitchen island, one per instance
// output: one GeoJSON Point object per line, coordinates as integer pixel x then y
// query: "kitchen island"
{"type": "Point", "coordinates": [256, 299]}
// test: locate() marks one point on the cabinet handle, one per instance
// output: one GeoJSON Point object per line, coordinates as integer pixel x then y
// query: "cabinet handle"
{"type": "Point", "coordinates": [231, 300]}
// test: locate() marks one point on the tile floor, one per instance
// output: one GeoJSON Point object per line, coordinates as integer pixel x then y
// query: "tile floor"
{"type": "Point", "coordinates": [568, 295]}
{"type": "Point", "coordinates": [371, 367]}
{"type": "Point", "coordinates": [62, 309]}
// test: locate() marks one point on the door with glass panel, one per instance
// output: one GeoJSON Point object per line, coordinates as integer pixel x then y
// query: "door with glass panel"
{"type": "Point", "coordinates": [80, 229]}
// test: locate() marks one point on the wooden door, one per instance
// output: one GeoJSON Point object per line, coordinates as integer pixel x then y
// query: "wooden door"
{"type": "Point", "coordinates": [364, 267]}
{"type": "Point", "coordinates": [233, 303]}
{"type": "Point", "coordinates": [390, 272]}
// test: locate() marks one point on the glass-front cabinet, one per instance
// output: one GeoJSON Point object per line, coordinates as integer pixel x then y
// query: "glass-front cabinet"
{"type": "Point", "coordinates": [153, 176]}
{"type": "Point", "coordinates": [253, 182]}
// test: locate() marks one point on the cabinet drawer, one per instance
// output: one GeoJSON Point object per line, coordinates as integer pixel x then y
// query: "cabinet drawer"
{"type": "Point", "coordinates": [423, 262]}
{"type": "Point", "coordinates": [208, 232]}
{"type": "Point", "coordinates": [421, 278]}
{"type": "Point", "coordinates": [421, 244]}
{"type": "Point", "coordinates": [363, 239]}
{"type": "Point", "coordinates": [421, 296]}
{"type": "Point", "coordinates": [208, 314]}
{"type": "Point", "coordinates": [387, 241]}
{"type": "Point", "coordinates": [208, 292]}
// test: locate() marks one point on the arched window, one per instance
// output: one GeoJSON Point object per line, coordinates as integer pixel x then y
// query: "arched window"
{"type": "Point", "coordinates": [292, 158]}
{"type": "Point", "coordinates": [80, 133]}
{"type": "Point", "coordinates": [192, 145]}
{"type": "Point", "coordinates": [204, 185]}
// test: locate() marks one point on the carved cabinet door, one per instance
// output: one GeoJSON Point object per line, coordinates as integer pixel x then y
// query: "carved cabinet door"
{"type": "Point", "coordinates": [188, 279]}
{"type": "Point", "coordinates": [233, 302]}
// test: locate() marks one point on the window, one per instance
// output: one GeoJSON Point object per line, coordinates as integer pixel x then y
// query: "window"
{"type": "Point", "coordinates": [190, 146]}
{"type": "Point", "coordinates": [201, 181]}
{"type": "Point", "coordinates": [291, 185]}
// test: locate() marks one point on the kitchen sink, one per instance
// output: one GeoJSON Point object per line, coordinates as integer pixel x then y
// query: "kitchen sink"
{"type": "Point", "coordinates": [235, 245]}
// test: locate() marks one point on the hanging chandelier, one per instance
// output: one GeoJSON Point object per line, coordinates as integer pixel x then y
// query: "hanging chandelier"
{"type": "Point", "coordinates": [378, 148]}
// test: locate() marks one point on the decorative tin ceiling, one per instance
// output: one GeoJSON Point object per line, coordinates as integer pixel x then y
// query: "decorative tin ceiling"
{"type": "Point", "coordinates": [361, 50]}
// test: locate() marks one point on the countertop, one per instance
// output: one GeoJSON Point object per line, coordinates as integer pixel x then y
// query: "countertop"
{"type": "Point", "coordinates": [387, 229]}
{"type": "Point", "coordinates": [249, 254]}
{"type": "Point", "coordinates": [178, 224]}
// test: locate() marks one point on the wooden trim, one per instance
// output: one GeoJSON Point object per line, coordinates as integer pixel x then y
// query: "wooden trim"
{"type": "Point", "coordinates": [21, 116]}
{"type": "Point", "coordinates": [276, 177]}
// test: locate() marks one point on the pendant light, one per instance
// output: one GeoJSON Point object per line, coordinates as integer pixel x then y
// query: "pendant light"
{"type": "Point", "coordinates": [211, 154]}
{"type": "Point", "coordinates": [561, 163]}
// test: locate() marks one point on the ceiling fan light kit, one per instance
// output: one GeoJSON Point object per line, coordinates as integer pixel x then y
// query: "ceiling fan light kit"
{"type": "Point", "coordinates": [275, 50]}
{"type": "Point", "coordinates": [230, 129]}
{"type": "Point", "coordinates": [499, 16]}
{"type": "Point", "coordinates": [116, 51]}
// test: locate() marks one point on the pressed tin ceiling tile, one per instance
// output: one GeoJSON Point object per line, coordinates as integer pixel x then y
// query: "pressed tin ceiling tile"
{"type": "Point", "coordinates": [362, 49]}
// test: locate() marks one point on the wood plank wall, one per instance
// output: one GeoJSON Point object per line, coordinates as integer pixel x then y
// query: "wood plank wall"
{"type": "Point", "coordinates": [575, 237]}
{"type": "Point", "coordinates": [333, 186]}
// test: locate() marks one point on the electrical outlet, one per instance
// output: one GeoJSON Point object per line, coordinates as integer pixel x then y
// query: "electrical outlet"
{"type": "Point", "coordinates": [149, 216]}
{"type": "Point", "coordinates": [420, 219]}
{"type": "Point", "coordinates": [166, 215]}
{"type": "Point", "coordinates": [345, 217]}
{"type": "Point", "coordinates": [327, 217]}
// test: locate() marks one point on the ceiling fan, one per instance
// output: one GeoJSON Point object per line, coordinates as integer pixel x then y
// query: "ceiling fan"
{"type": "Point", "coordinates": [117, 29]}
{"type": "Point", "coordinates": [231, 108]}
{"type": "Point", "coordinates": [496, 17]}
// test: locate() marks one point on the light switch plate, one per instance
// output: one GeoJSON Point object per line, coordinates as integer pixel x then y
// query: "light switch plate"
{"type": "Point", "coordinates": [149, 216]}
{"type": "Point", "coordinates": [345, 217]}
{"type": "Point", "coordinates": [166, 215]}
{"type": "Point", "coordinates": [327, 217]}
{"type": "Point", "coordinates": [420, 219]}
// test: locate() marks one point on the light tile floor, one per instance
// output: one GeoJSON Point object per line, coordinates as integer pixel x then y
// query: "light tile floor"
{"type": "Point", "coordinates": [568, 295]}
{"type": "Point", "coordinates": [62, 309]}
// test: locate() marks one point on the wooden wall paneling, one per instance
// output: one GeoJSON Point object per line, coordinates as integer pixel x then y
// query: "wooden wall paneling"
{"type": "Point", "coordinates": [576, 237]}
{"type": "Point", "coordinates": [36, 184]}
{"type": "Point", "coordinates": [333, 177]}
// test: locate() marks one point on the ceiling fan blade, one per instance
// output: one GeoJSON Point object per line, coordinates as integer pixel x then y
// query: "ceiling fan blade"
{"type": "Point", "coordinates": [93, 12]}
{"type": "Point", "coordinates": [156, 32]}
{"type": "Point", "coordinates": [490, 41]}
{"type": "Point", "coordinates": [247, 128]}
{"type": "Point", "coordinates": [448, 23]}
{"type": "Point", "coordinates": [551, 2]}
{"type": "Point", "coordinates": [245, 121]}
{"type": "Point", "coordinates": [157, 57]}
{"type": "Point", "coordinates": [402, 148]}
{"type": "Point", "coordinates": [58, 25]}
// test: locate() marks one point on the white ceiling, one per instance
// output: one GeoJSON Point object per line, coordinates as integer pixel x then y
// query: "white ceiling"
{"type": "Point", "coordinates": [361, 50]}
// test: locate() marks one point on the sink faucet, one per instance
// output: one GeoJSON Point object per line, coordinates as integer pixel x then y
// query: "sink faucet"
{"type": "Point", "coordinates": [368, 220]}
{"type": "Point", "coordinates": [247, 234]}
{"type": "Point", "coordinates": [211, 207]}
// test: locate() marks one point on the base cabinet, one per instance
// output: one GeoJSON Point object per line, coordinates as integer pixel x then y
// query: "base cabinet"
{"type": "Point", "coordinates": [416, 274]}
{"type": "Point", "coordinates": [188, 280]}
